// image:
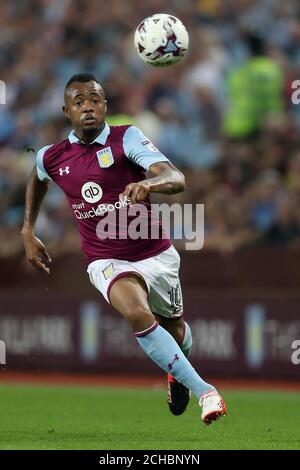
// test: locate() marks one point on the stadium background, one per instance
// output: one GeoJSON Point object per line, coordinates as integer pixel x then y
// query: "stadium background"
{"type": "Point", "coordinates": [224, 116]}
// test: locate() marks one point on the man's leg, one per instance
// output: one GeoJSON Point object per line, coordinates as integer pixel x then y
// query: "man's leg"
{"type": "Point", "coordinates": [128, 295]}
{"type": "Point", "coordinates": [178, 394]}
{"type": "Point", "coordinates": [180, 331]}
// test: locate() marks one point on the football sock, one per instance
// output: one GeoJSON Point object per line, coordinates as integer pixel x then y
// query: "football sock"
{"type": "Point", "coordinates": [186, 344]}
{"type": "Point", "coordinates": [162, 348]}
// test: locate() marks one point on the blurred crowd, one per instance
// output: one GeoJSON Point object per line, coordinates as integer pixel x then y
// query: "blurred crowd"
{"type": "Point", "coordinates": [224, 115]}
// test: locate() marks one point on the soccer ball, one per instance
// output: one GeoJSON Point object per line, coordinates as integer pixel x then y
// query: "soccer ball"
{"type": "Point", "coordinates": [161, 40]}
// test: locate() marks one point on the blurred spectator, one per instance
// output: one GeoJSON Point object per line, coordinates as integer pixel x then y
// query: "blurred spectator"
{"type": "Point", "coordinates": [285, 227]}
{"type": "Point", "coordinates": [264, 200]}
{"type": "Point", "coordinates": [255, 89]}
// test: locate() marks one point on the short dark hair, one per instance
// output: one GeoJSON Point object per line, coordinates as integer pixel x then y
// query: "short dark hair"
{"type": "Point", "coordinates": [82, 78]}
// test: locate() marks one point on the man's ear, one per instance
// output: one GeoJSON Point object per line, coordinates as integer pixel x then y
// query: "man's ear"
{"type": "Point", "coordinates": [105, 105]}
{"type": "Point", "coordinates": [66, 111]}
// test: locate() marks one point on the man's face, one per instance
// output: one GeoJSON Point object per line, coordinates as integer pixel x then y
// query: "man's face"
{"type": "Point", "coordinates": [85, 106]}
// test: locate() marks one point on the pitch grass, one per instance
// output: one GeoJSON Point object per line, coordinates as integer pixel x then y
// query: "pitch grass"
{"type": "Point", "coordinates": [41, 417]}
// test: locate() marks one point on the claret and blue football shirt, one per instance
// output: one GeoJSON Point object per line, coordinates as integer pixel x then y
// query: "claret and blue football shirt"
{"type": "Point", "coordinates": [92, 176]}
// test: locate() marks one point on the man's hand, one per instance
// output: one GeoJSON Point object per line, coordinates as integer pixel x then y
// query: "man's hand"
{"type": "Point", "coordinates": [136, 192]}
{"type": "Point", "coordinates": [36, 252]}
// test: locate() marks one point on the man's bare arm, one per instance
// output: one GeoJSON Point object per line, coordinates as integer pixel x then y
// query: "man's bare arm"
{"type": "Point", "coordinates": [35, 250]}
{"type": "Point", "coordinates": [167, 179]}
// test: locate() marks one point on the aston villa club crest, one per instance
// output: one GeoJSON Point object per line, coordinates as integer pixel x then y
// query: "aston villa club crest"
{"type": "Point", "coordinates": [105, 157]}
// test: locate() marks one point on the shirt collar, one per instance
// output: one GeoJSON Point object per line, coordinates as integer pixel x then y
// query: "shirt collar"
{"type": "Point", "coordinates": [100, 139]}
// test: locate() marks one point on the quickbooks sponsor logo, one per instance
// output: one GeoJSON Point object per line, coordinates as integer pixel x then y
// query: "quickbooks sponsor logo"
{"type": "Point", "coordinates": [101, 209]}
{"type": "Point", "coordinates": [91, 192]}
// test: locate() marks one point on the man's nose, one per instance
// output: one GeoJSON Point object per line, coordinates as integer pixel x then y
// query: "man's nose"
{"type": "Point", "coordinates": [88, 107]}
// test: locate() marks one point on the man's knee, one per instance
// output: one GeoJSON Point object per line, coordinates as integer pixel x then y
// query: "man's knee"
{"type": "Point", "coordinates": [138, 316]}
{"type": "Point", "coordinates": [174, 326]}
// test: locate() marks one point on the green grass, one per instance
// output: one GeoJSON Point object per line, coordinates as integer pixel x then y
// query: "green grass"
{"type": "Point", "coordinates": [34, 417]}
